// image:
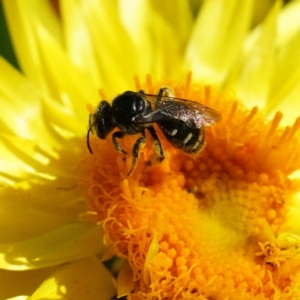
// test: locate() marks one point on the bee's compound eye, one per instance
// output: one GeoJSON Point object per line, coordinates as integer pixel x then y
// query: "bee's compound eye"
{"type": "Point", "coordinates": [102, 120]}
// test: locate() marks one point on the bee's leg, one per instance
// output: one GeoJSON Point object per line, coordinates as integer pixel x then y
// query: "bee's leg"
{"type": "Point", "coordinates": [118, 135]}
{"type": "Point", "coordinates": [136, 151]}
{"type": "Point", "coordinates": [157, 145]}
{"type": "Point", "coordinates": [164, 92]}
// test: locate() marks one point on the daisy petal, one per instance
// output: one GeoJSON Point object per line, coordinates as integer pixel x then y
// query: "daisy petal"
{"type": "Point", "coordinates": [288, 22]}
{"type": "Point", "coordinates": [78, 40]}
{"type": "Point", "coordinates": [21, 16]}
{"type": "Point", "coordinates": [68, 243]}
{"type": "Point", "coordinates": [84, 279]}
{"type": "Point", "coordinates": [25, 204]}
{"type": "Point", "coordinates": [113, 48]}
{"type": "Point", "coordinates": [28, 281]}
{"type": "Point", "coordinates": [21, 157]}
{"type": "Point", "coordinates": [60, 116]}
{"type": "Point", "coordinates": [258, 61]}
{"type": "Point", "coordinates": [67, 83]}
{"type": "Point", "coordinates": [285, 87]}
{"type": "Point", "coordinates": [217, 38]}
{"type": "Point", "coordinates": [164, 33]}
{"type": "Point", "coordinates": [19, 298]}
{"type": "Point", "coordinates": [20, 107]}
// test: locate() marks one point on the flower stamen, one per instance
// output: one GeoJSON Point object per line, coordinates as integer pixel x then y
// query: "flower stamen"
{"type": "Point", "coordinates": [274, 125]}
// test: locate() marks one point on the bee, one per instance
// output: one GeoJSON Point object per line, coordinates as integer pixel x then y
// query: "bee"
{"type": "Point", "coordinates": [181, 121]}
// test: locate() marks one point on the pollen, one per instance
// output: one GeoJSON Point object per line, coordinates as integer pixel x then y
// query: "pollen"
{"type": "Point", "coordinates": [205, 226]}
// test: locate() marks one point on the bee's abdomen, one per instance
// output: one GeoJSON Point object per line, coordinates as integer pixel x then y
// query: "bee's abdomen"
{"type": "Point", "coordinates": [190, 140]}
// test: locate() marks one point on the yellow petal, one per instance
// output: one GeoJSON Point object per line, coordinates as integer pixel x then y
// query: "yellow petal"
{"type": "Point", "coordinates": [38, 207]}
{"type": "Point", "coordinates": [159, 40]}
{"type": "Point", "coordinates": [78, 40]}
{"type": "Point", "coordinates": [14, 283]}
{"type": "Point", "coordinates": [20, 106]}
{"type": "Point", "coordinates": [57, 76]}
{"type": "Point", "coordinates": [21, 157]}
{"type": "Point", "coordinates": [66, 82]}
{"type": "Point", "coordinates": [152, 252]}
{"type": "Point", "coordinates": [114, 51]}
{"type": "Point", "coordinates": [57, 115]}
{"type": "Point", "coordinates": [125, 280]}
{"type": "Point", "coordinates": [178, 16]}
{"type": "Point", "coordinates": [261, 9]}
{"type": "Point", "coordinates": [285, 86]}
{"type": "Point", "coordinates": [71, 242]}
{"type": "Point", "coordinates": [22, 18]}
{"type": "Point", "coordinates": [85, 279]}
{"type": "Point", "coordinates": [288, 22]}
{"type": "Point", "coordinates": [217, 38]}
{"type": "Point", "coordinates": [258, 62]}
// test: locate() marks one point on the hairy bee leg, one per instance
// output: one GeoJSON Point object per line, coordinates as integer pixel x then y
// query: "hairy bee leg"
{"type": "Point", "coordinates": [118, 135]}
{"type": "Point", "coordinates": [156, 144]}
{"type": "Point", "coordinates": [159, 96]}
{"type": "Point", "coordinates": [136, 151]}
{"type": "Point", "coordinates": [163, 92]}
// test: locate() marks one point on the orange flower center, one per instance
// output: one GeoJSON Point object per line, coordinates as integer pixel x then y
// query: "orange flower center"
{"type": "Point", "coordinates": [204, 225]}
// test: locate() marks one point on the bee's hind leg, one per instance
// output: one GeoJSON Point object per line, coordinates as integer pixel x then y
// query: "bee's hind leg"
{"type": "Point", "coordinates": [141, 141]}
{"type": "Point", "coordinates": [164, 92]}
{"type": "Point", "coordinates": [158, 149]}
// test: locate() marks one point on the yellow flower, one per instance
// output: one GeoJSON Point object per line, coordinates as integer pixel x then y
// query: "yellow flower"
{"type": "Point", "coordinates": [221, 225]}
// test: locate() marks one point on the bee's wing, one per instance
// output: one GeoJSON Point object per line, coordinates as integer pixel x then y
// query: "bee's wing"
{"type": "Point", "coordinates": [192, 113]}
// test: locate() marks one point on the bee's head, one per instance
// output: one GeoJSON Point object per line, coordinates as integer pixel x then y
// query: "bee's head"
{"type": "Point", "coordinates": [100, 122]}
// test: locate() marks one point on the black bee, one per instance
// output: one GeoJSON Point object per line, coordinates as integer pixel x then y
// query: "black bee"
{"type": "Point", "coordinates": [181, 121]}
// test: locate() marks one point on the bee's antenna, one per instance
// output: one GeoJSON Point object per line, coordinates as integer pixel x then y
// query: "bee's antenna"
{"type": "Point", "coordinates": [88, 139]}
